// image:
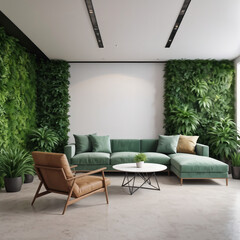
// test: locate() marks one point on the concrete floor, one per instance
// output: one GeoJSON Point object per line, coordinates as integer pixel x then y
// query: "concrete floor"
{"type": "Point", "coordinates": [198, 210]}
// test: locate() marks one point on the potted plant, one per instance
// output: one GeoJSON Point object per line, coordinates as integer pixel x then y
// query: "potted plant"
{"type": "Point", "coordinates": [223, 139]}
{"type": "Point", "coordinates": [43, 139]}
{"type": "Point", "coordinates": [236, 165]}
{"type": "Point", "coordinates": [14, 163]}
{"type": "Point", "coordinates": [29, 174]}
{"type": "Point", "coordinates": [140, 159]}
{"type": "Point", "coordinates": [1, 182]}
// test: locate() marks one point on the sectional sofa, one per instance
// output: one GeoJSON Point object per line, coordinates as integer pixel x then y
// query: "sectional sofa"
{"type": "Point", "coordinates": [185, 166]}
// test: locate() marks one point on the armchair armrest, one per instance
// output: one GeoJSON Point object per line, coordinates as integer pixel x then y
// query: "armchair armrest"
{"type": "Point", "coordinates": [202, 150]}
{"type": "Point", "coordinates": [88, 173]}
{"type": "Point", "coordinates": [69, 151]}
{"type": "Point", "coordinates": [74, 170]}
{"type": "Point", "coordinates": [73, 166]}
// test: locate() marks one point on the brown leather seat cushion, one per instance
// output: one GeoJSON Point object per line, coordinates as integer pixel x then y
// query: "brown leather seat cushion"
{"type": "Point", "coordinates": [89, 183]}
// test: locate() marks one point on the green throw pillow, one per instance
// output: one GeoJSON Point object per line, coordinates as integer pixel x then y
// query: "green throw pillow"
{"type": "Point", "coordinates": [83, 143]}
{"type": "Point", "coordinates": [167, 144]}
{"type": "Point", "coordinates": [100, 143]}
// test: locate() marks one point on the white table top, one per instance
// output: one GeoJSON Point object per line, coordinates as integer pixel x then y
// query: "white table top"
{"type": "Point", "coordinates": [147, 167]}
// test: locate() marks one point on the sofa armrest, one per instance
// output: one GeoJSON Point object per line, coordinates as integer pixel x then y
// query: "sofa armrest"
{"type": "Point", "coordinates": [69, 151]}
{"type": "Point", "coordinates": [202, 150]}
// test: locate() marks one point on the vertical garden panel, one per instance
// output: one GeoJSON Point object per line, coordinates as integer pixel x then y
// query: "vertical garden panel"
{"type": "Point", "coordinates": [197, 94]}
{"type": "Point", "coordinates": [53, 98]}
{"type": "Point", "coordinates": [17, 92]}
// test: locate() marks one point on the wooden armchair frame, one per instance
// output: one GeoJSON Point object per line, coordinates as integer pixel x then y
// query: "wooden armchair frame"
{"type": "Point", "coordinates": [68, 202]}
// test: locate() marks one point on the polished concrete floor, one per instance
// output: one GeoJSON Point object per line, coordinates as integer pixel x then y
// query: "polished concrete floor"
{"type": "Point", "coordinates": [198, 210]}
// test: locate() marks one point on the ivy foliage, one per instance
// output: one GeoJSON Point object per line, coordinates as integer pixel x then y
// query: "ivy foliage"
{"type": "Point", "coordinates": [53, 99]}
{"type": "Point", "coordinates": [17, 92]}
{"type": "Point", "coordinates": [198, 93]}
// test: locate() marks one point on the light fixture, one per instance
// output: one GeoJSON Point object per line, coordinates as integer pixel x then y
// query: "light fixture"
{"type": "Point", "coordinates": [93, 19]}
{"type": "Point", "coordinates": [178, 22]}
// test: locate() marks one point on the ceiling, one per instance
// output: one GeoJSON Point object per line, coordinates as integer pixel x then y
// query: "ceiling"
{"type": "Point", "coordinates": [131, 30]}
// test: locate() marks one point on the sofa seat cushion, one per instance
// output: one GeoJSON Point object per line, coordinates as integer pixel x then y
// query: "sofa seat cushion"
{"type": "Point", "coordinates": [122, 157]}
{"type": "Point", "coordinates": [153, 157]}
{"type": "Point", "coordinates": [92, 158]}
{"type": "Point", "coordinates": [188, 163]}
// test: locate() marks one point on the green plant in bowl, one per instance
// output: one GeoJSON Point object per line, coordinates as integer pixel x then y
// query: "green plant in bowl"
{"type": "Point", "coordinates": [140, 159]}
{"type": "Point", "coordinates": [14, 163]}
{"type": "Point", "coordinates": [43, 139]}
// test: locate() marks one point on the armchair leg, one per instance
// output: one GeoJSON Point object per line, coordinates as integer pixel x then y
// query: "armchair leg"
{"type": "Point", "coordinates": [106, 193]}
{"type": "Point", "coordinates": [69, 195]}
{"type": "Point", "coordinates": [36, 194]}
{"type": "Point", "coordinates": [226, 181]}
{"type": "Point", "coordinates": [105, 187]}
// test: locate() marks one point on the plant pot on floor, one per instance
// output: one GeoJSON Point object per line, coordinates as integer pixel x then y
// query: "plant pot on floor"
{"type": "Point", "coordinates": [28, 178]}
{"type": "Point", "coordinates": [235, 172]}
{"type": "Point", "coordinates": [140, 164]}
{"type": "Point", "coordinates": [13, 184]}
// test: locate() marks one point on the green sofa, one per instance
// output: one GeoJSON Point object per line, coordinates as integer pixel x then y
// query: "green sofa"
{"type": "Point", "coordinates": [185, 166]}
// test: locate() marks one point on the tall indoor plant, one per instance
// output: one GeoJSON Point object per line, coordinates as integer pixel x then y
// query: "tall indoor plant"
{"type": "Point", "coordinates": [14, 163]}
{"type": "Point", "coordinates": [223, 139]}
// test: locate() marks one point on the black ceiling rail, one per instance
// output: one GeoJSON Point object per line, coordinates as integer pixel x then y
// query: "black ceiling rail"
{"type": "Point", "coordinates": [12, 30]}
{"type": "Point", "coordinates": [178, 22]}
{"type": "Point", "coordinates": [93, 19]}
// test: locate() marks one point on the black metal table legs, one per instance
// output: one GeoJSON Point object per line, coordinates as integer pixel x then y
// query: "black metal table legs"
{"type": "Point", "coordinates": [146, 177]}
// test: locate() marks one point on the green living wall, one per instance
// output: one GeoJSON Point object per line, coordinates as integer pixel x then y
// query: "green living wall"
{"type": "Point", "coordinates": [17, 92]}
{"type": "Point", "coordinates": [33, 93]}
{"type": "Point", "coordinates": [53, 98]}
{"type": "Point", "coordinates": [197, 94]}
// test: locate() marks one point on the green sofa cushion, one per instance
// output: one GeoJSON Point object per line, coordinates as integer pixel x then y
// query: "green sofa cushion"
{"type": "Point", "coordinates": [149, 145]}
{"type": "Point", "coordinates": [190, 163]}
{"type": "Point", "coordinates": [100, 143]}
{"type": "Point", "coordinates": [91, 158]}
{"type": "Point", "coordinates": [195, 175]}
{"type": "Point", "coordinates": [153, 157]}
{"type": "Point", "coordinates": [167, 144]}
{"type": "Point", "coordinates": [122, 157]}
{"type": "Point", "coordinates": [125, 145]}
{"type": "Point", "coordinates": [83, 143]}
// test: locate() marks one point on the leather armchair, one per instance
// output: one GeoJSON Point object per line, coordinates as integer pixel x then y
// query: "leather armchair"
{"type": "Point", "coordinates": [55, 174]}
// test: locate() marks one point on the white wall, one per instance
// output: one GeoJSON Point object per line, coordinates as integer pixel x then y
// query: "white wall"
{"type": "Point", "coordinates": [123, 100]}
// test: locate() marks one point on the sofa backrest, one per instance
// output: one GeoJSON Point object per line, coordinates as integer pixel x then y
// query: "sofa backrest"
{"type": "Point", "coordinates": [148, 145]}
{"type": "Point", "coordinates": [125, 145]}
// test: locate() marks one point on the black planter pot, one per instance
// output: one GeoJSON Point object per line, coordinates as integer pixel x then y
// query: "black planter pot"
{"type": "Point", "coordinates": [28, 178]}
{"type": "Point", "coordinates": [236, 172]}
{"type": "Point", "coordinates": [13, 184]}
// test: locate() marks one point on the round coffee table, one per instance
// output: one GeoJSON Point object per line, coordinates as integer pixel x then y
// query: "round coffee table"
{"type": "Point", "coordinates": [147, 172]}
